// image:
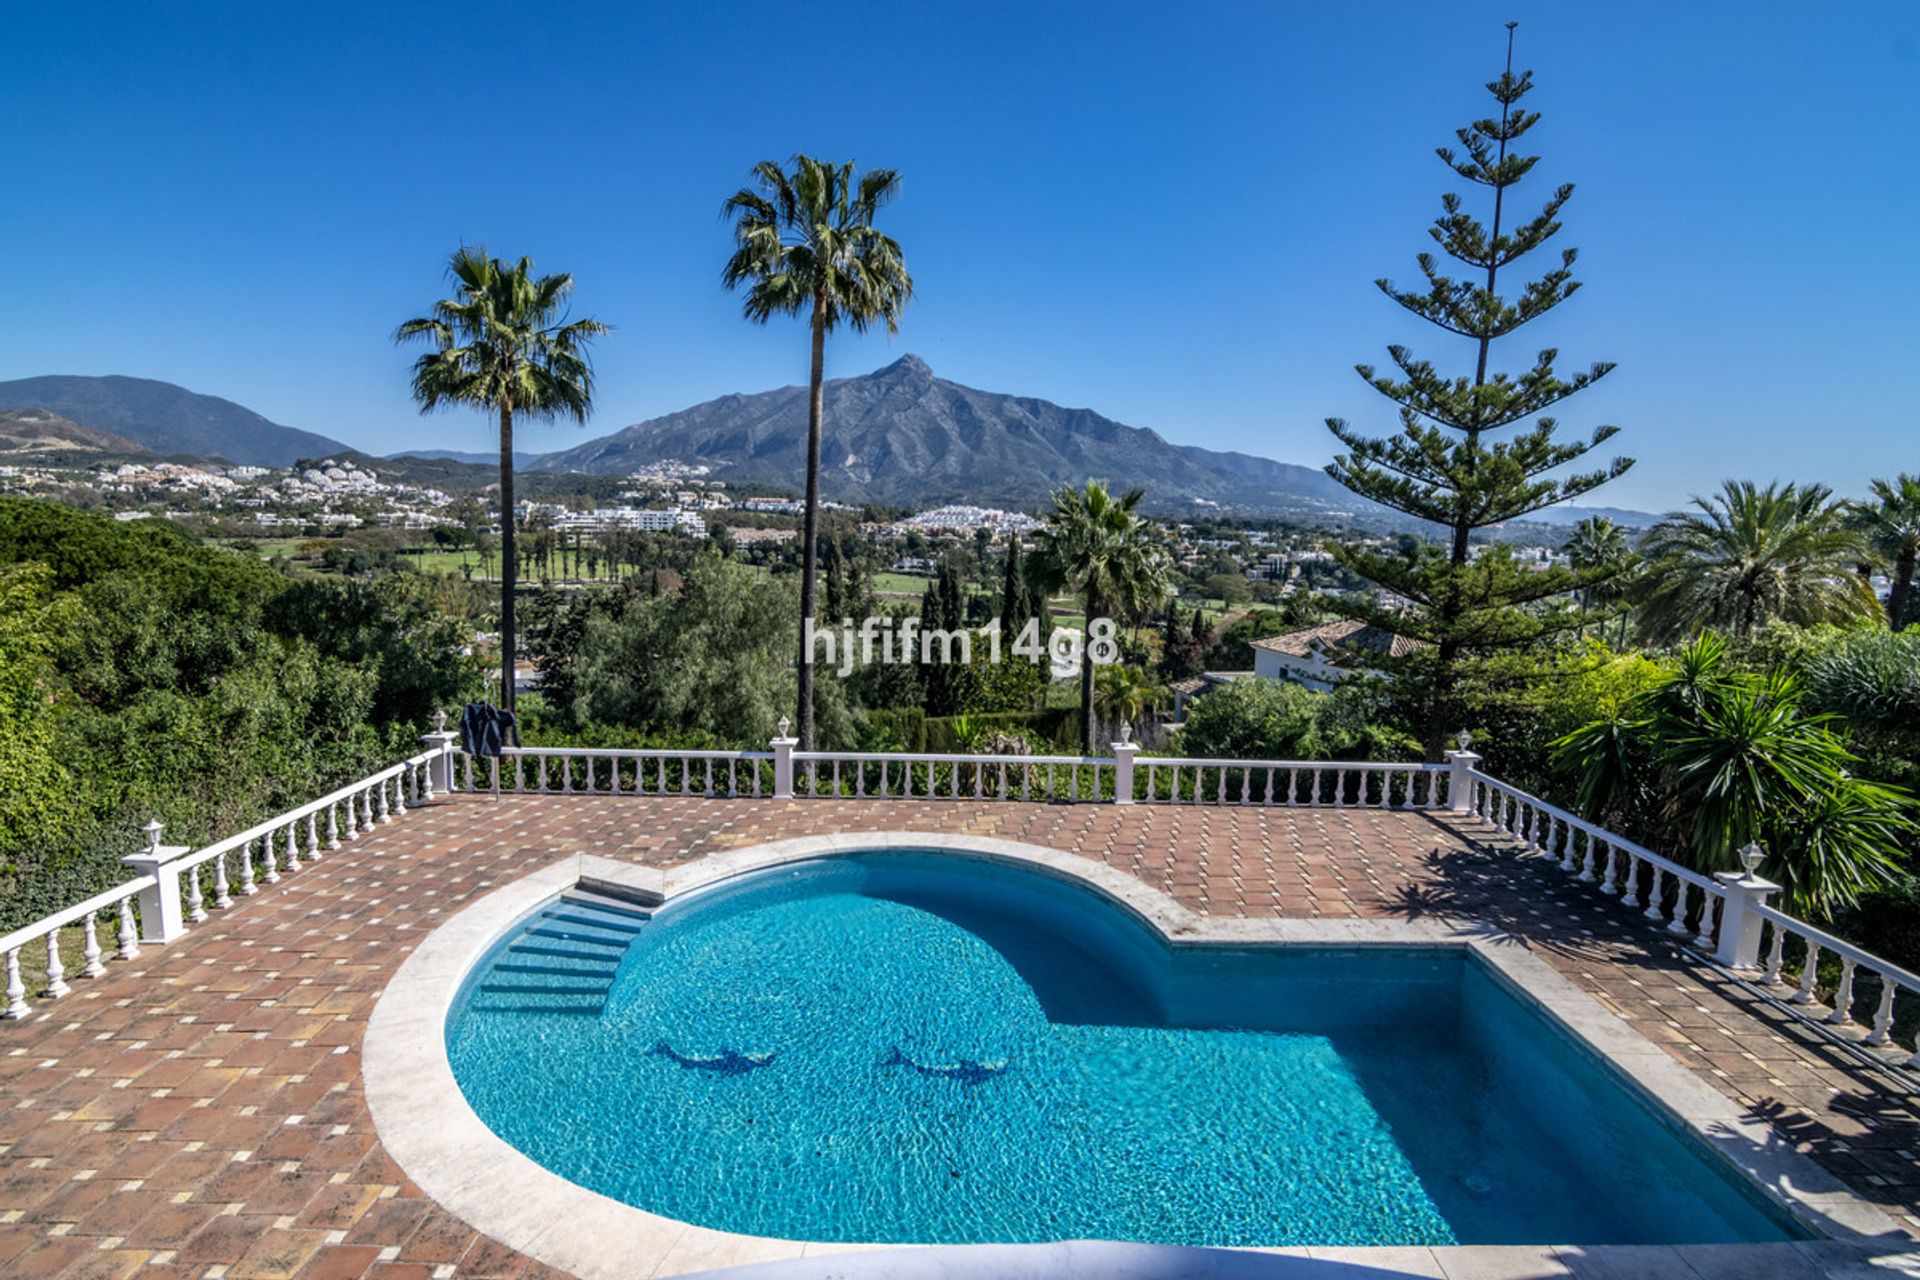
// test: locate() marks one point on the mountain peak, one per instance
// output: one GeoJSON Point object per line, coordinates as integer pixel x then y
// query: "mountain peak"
{"type": "Point", "coordinates": [902, 435]}
{"type": "Point", "coordinates": [907, 366]}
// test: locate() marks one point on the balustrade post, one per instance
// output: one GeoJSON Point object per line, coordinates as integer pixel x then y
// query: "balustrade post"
{"type": "Point", "coordinates": [56, 972]}
{"type": "Point", "coordinates": [196, 900]}
{"type": "Point", "coordinates": [161, 918]}
{"type": "Point", "coordinates": [16, 989]}
{"type": "Point", "coordinates": [90, 950]}
{"type": "Point", "coordinates": [127, 939]}
{"type": "Point", "coordinates": [1740, 925]}
{"type": "Point", "coordinates": [1460, 777]}
{"type": "Point", "coordinates": [440, 768]}
{"type": "Point", "coordinates": [782, 747]}
{"type": "Point", "coordinates": [1123, 753]}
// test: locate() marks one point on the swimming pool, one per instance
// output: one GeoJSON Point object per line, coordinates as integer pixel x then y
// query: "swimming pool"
{"type": "Point", "coordinates": [912, 1047]}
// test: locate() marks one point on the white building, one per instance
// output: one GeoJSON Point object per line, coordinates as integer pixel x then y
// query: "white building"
{"type": "Point", "coordinates": [1320, 657]}
{"type": "Point", "coordinates": [962, 518]}
{"type": "Point", "coordinates": [671, 520]}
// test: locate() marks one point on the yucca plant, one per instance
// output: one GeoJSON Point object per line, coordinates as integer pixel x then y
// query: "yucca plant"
{"type": "Point", "coordinates": [1711, 759]}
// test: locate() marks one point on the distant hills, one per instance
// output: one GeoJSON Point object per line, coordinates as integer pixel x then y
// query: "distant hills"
{"type": "Point", "coordinates": [903, 435]}
{"type": "Point", "coordinates": [521, 460]}
{"type": "Point", "coordinates": [1574, 515]}
{"type": "Point", "coordinates": [168, 419]}
{"type": "Point", "coordinates": [38, 433]}
{"type": "Point", "coordinates": [900, 435]}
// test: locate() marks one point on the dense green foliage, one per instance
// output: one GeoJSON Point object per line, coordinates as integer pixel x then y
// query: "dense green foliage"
{"type": "Point", "coordinates": [1710, 758]}
{"type": "Point", "coordinates": [1279, 720]}
{"type": "Point", "coordinates": [145, 675]}
{"type": "Point", "coordinates": [33, 781]}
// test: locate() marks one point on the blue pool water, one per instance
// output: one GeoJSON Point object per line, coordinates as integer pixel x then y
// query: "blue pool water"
{"type": "Point", "coordinates": [910, 1047]}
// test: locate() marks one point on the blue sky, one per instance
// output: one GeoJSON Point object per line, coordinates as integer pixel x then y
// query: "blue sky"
{"type": "Point", "coordinates": [1171, 214]}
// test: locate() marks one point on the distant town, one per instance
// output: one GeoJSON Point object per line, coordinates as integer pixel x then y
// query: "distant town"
{"type": "Point", "coordinates": [1223, 560]}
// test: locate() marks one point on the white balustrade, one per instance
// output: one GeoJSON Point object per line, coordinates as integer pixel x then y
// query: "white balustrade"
{"type": "Point", "coordinates": [1727, 921]}
{"type": "Point", "coordinates": [1838, 1018]}
{"type": "Point", "coordinates": [169, 892]}
{"type": "Point", "coordinates": [49, 932]}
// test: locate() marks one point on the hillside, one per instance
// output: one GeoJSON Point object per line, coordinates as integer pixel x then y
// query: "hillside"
{"type": "Point", "coordinates": [37, 434]}
{"type": "Point", "coordinates": [168, 419]}
{"type": "Point", "coordinates": [903, 435]}
{"type": "Point", "coordinates": [476, 457]}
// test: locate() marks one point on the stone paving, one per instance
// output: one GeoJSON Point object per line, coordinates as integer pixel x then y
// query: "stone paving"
{"type": "Point", "coordinates": [198, 1111]}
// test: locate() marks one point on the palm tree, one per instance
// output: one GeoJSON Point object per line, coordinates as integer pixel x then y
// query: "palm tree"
{"type": "Point", "coordinates": [1749, 556]}
{"type": "Point", "coordinates": [1105, 551]}
{"type": "Point", "coordinates": [1600, 544]}
{"type": "Point", "coordinates": [805, 242]}
{"type": "Point", "coordinates": [503, 344]}
{"type": "Point", "coordinates": [1127, 695]}
{"type": "Point", "coordinates": [1890, 526]}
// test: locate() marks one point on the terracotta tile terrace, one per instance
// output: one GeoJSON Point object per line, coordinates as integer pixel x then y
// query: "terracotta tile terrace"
{"type": "Point", "coordinates": [198, 1111]}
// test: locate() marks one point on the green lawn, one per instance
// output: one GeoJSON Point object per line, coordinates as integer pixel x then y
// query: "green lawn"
{"type": "Point", "coordinates": [888, 583]}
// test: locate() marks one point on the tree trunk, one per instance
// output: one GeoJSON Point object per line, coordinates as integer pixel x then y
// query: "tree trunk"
{"type": "Point", "coordinates": [1902, 587]}
{"type": "Point", "coordinates": [1446, 653]}
{"type": "Point", "coordinates": [809, 550]}
{"type": "Point", "coordinates": [1086, 679]}
{"type": "Point", "coordinates": [508, 563]}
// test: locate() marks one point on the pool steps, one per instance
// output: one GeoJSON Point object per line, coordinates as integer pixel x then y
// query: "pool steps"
{"type": "Point", "coordinates": [564, 959]}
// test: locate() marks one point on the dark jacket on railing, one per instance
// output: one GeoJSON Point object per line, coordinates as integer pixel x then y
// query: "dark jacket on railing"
{"type": "Point", "coordinates": [485, 728]}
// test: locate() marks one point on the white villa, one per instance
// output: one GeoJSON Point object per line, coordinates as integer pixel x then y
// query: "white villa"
{"type": "Point", "coordinates": [1320, 657]}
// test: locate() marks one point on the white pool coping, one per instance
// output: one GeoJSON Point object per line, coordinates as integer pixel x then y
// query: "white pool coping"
{"type": "Point", "coordinates": [423, 1120]}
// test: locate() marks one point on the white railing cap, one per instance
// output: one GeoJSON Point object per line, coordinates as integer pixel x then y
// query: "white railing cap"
{"type": "Point", "coordinates": [1402, 766]}
{"type": "Point", "coordinates": [934, 757]}
{"type": "Point", "coordinates": [631, 753]}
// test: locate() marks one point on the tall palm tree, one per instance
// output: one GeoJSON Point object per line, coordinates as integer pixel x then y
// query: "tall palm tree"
{"type": "Point", "coordinates": [1750, 555]}
{"type": "Point", "coordinates": [804, 242]}
{"type": "Point", "coordinates": [1599, 543]}
{"type": "Point", "coordinates": [1890, 526]}
{"type": "Point", "coordinates": [1106, 552]}
{"type": "Point", "coordinates": [503, 344]}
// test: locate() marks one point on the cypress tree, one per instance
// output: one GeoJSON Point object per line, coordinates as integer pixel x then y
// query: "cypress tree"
{"type": "Point", "coordinates": [1013, 591]}
{"type": "Point", "coordinates": [1446, 466]}
{"type": "Point", "coordinates": [953, 605]}
{"type": "Point", "coordinates": [833, 570]}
